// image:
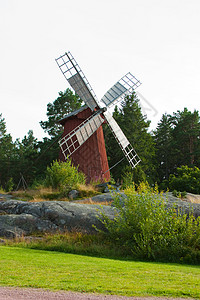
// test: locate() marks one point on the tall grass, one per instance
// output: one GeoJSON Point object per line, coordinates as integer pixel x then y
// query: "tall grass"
{"type": "Point", "coordinates": [147, 227]}
{"type": "Point", "coordinates": [71, 242]}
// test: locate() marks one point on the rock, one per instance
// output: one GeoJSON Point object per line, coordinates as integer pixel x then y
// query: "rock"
{"type": "Point", "coordinates": [25, 218]}
{"type": "Point", "coordinates": [73, 194]}
{"type": "Point", "coordinates": [192, 198]}
{"type": "Point", "coordinates": [17, 225]}
{"type": "Point", "coordinates": [107, 186]}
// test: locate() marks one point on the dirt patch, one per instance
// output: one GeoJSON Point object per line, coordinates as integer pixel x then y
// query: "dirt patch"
{"type": "Point", "coordinates": [9, 293]}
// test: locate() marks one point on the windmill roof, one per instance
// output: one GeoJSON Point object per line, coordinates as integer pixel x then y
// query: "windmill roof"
{"type": "Point", "coordinates": [73, 113]}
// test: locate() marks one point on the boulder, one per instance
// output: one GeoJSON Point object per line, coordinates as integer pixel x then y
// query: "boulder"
{"type": "Point", "coordinates": [25, 218]}
{"type": "Point", "coordinates": [19, 218]}
{"type": "Point", "coordinates": [73, 194]}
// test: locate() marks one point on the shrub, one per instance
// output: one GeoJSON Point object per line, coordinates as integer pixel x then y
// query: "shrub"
{"type": "Point", "coordinates": [187, 179]}
{"type": "Point", "coordinates": [63, 176]}
{"type": "Point", "coordinates": [149, 230]}
{"type": "Point", "coordinates": [9, 185]}
{"type": "Point", "coordinates": [132, 176]}
{"type": "Point", "coordinates": [179, 194]}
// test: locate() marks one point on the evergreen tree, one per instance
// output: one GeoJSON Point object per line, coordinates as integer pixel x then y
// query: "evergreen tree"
{"type": "Point", "coordinates": [64, 104]}
{"type": "Point", "coordinates": [135, 127]}
{"type": "Point", "coordinates": [26, 154]}
{"type": "Point", "coordinates": [49, 148]}
{"type": "Point", "coordinates": [186, 137]}
{"type": "Point", "coordinates": [177, 142]}
{"type": "Point", "coordinates": [6, 154]}
{"type": "Point", "coordinates": [163, 145]}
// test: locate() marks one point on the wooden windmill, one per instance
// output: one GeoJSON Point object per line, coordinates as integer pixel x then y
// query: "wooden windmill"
{"type": "Point", "coordinates": [83, 138]}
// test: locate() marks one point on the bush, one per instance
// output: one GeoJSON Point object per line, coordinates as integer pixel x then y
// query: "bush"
{"type": "Point", "coordinates": [132, 176]}
{"type": "Point", "coordinates": [63, 176]}
{"type": "Point", "coordinates": [9, 185]}
{"type": "Point", "coordinates": [179, 194]}
{"type": "Point", "coordinates": [149, 230]}
{"type": "Point", "coordinates": [187, 179]}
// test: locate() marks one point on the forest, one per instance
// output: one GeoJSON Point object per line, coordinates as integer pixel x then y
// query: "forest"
{"type": "Point", "coordinates": [170, 154]}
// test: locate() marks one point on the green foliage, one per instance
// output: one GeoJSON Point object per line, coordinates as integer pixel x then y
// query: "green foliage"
{"type": "Point", "coordinates": [9, 185]}
{"type": "Point", "coordinates": [132, 176]}
{"type": "Point", "coordinates": [177, 142]}
{"type": "Point", "coordinates": [136, 128]}
{"type": "Point", "coordinates": [187, 179]}
{"type": "Point", "coordinates": [146, 227]}
{"type": "Point", "coordinates": [163, 145]}
{"type": "Point", "coordinates": [64, 104]}
{"type": "Point", "coordinates": [177, 194]}
{"type": "Point", "coordinates": [63, 176]}
{"type": "Point", "coordinates": [6, 154]}
{"type": "Point", "coordinates": [186, 129]}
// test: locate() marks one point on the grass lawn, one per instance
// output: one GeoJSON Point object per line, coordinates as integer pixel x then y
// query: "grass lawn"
{"type": "Point", "coordinates": [61, 271]}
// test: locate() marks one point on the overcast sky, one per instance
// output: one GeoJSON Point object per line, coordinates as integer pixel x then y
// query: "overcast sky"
{"type": "Point", "coordinates": [157, 41]}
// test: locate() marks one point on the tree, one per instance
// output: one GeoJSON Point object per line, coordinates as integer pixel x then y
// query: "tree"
{"type": "Point", "coordinates": [49, 148]}
{"type": "Point", "coordinates": [135, 127]}
{"type": "Point", "coordinates": [163, 141]}
{"type": "Point", "coordinates": [64, 104]}
{"type": "Point", "coordinates": [186, 179]}
{"type": "Point", "coordinates": [186, 137]}
{"type": "Point", "coordinates": [6, 153]}
{"type": "Point", "coordinates": [177, 142]}
{"type": "Point", "coordinates": [26, 154]}
{"type": "Point", "coordinates": [2, 127]}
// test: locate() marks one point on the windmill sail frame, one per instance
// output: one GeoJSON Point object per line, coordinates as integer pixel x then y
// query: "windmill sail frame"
{"type": "Point", "coordinates": [78, 81]}
{"type": "Point", "coordinates": [127, 84]}
{"type": "Point", "coordinates": [76, 78]}
{"type": "Point", "coordinates": [73, 140]}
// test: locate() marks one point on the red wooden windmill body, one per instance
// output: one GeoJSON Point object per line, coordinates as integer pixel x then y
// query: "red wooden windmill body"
{"type": "Point", "coordinates": [91, 157]}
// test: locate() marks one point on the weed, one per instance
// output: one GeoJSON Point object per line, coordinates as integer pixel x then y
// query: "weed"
{"type": "Point", "coordinates": [150, 230]}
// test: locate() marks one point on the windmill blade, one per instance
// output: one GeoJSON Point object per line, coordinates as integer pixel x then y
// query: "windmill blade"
{"type": "Point", "coordinates": [126, 147]}
{"type": "Point", "coordinates": [73, 140]}
{"type": "Point", "coordinates": [77, 79]}
{"type": "Point", "coordinates": [115, 94]}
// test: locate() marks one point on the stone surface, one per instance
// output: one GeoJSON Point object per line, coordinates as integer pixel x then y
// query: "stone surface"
{"type": "Point", "coordinates": [25, 218]}
{"type": "Point", "coordinates": [73, 194]}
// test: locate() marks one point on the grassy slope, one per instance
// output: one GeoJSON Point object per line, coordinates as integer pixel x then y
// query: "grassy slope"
{"type": "Point", "coordinates": [60, 271]}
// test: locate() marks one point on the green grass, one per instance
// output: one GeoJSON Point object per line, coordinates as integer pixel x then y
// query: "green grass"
{"type": "Point", "coordinates": [62, 271]}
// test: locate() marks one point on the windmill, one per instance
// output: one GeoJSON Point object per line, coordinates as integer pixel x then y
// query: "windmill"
{"type": "Point", "coordinates": [83, 128]}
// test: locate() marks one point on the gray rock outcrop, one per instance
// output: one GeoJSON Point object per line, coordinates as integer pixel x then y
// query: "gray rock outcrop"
{"type": "Point", "coordinates": [24, 218]}
{"type": "Point", "coordinates": [19, 218]}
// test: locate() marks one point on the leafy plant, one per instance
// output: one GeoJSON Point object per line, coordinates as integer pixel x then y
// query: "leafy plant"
{"type": "Point", "coordinates": [9, 185]}
{"type": "Point", "coordinates": [179, 194]}
{"type": "Point", "coordinates": [145, 226]}
{"type": "Point", "coordinates": [187, 179]}
{"type": "Point", "coordinates": [132, 176]}
{"type": "Point", "coordinates": [63, 176]}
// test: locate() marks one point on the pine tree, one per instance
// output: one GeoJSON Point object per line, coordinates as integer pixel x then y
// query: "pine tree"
{"type": "Point", "coordinates": [64, 104]}
{"type": "Point", "coordinates": [177, 142]}
{"type": "Point", "coordinates": [186, 136]}
{"type": "Point", "coordinates": [163, 145]}
{"type": "Point", "coordinates": [135, 127]}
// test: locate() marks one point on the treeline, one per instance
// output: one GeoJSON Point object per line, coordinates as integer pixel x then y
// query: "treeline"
{"type": "Point", "coordinates": [173, 144]}
{"type": "Point", "coordinates": [25, 162]}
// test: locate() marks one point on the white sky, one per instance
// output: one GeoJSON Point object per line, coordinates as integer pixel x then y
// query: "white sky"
{"type": "Point", "coordinates": [157, 41]}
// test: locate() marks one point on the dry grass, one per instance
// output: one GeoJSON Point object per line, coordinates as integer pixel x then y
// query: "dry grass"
{"type": "Point", "coordinates": [90, 201]}
{"type": "Point", "coordinates": [44, 194]}
{"type": "Point", "coordinates": [88, 190]}
{"type": "Point", "coordinates": [38, 195]}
